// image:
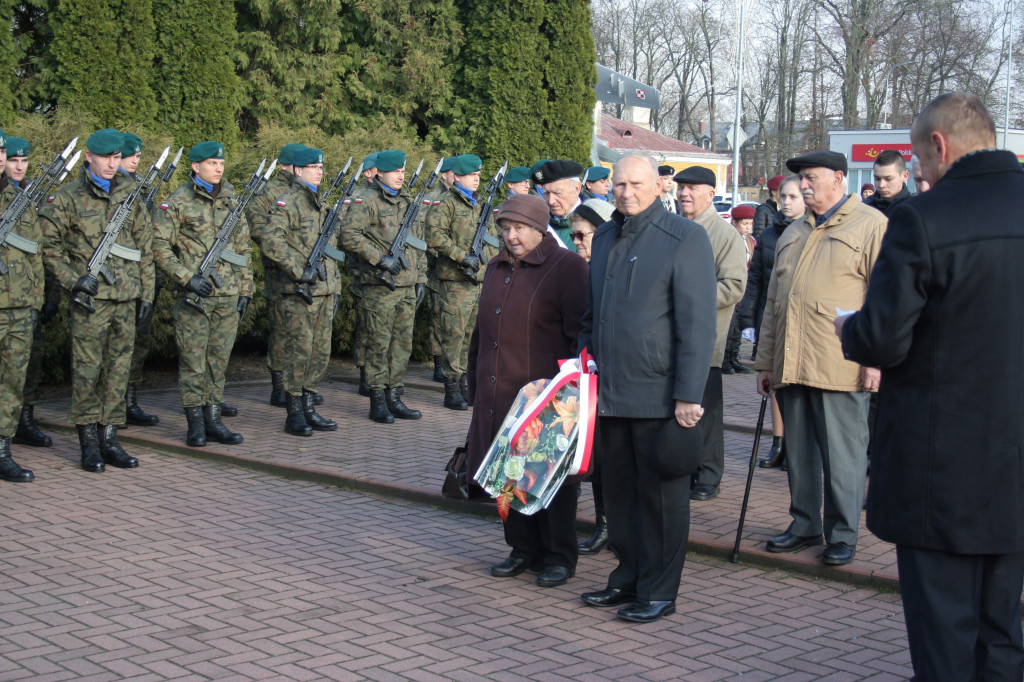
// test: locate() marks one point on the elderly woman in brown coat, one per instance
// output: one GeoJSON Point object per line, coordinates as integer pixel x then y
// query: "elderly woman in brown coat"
{"type": "Point", "coordinates": [531, 305]}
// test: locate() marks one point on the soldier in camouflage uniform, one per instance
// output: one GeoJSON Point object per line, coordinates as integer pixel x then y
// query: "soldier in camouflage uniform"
{"type": "Point", "coordinates": [289, 236]}
{"type": "Point", "coordinates": [368, 230]}
{"type": "Point", "coordinates": [451, 227]}
{"type": "Point", "coordinates": [356, 266]}
{"type": "Point", "coordinates": [73, 222]}
{"type": "Point", "coordinates": [432, 200]}
{"type": "Point", "coordinates": [28, 433]}
{"type": "Point", "coordinates": [256, 212]}
{"type": "Point", "coordinates": [186, 226]}
{"type": "Point", "coordinates": [21, 297]}
{"type": "Point", "coordinates": [131, 155]}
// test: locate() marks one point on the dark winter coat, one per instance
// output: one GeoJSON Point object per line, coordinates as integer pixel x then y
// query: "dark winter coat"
{"type": "Point", "coordinates": [877, 201]}
{"type": "Point", "coordinates": [764, 215]}
{"type": "Point", "coordinates": [751, 308]}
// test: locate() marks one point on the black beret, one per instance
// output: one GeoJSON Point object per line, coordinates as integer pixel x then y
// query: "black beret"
{"type": "Point", "coordinates": [823, 159]}
{"type": "Point", "coordinates": [558, 169]}
{"type": "Point", "coordinates": [666, 170]}
{"type": "Point", "coordinates": [696, 175]}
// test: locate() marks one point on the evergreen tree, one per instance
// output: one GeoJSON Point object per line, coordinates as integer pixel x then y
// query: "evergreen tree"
{"type": "Point", "coordinates": [198, 92]}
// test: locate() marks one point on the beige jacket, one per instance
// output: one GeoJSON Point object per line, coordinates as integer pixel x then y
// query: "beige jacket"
{"type": "Point", "coordinates": [818, 269]}
{"type": "Point", "coordinates": [730, 270]}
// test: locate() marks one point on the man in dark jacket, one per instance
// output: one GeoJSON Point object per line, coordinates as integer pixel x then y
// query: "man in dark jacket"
{"type": "Point", "coordinates": [947, 478]}
{"type": "Point", "coordinates": [891, 176]}
{"type": "Point", "coordinates": [650, 324]}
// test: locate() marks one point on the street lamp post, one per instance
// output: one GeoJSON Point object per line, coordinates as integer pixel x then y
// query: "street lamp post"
{"type": "Point", "coordinates": [888, 98]}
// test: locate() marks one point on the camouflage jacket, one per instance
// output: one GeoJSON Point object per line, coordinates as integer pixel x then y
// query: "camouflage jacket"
{"type": "Point", "coordinates": [258, 208]}
{"type": "Point", "coordinates": [451, 226]}
{"type": "Point", "coordinates": [72, 221]}
{"type": "Point", "coordinates": [186, 225]}
{"type": "Point", "coordinates": [22, 286]}
{"type": "Point", "coordinates": [290, 235]}
{"type": "Point", "coordinates": [369, 228]}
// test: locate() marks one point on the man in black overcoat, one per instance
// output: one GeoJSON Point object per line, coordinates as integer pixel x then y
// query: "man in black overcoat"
{"type": "Point", "coordinates": [947, 472]}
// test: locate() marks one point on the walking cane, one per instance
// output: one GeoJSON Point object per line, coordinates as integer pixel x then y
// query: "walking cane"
{"type": "Point", "coordinates": [750, 472]}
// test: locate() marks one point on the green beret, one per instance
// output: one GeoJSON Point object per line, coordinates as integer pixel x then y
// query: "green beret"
{"type": "Point", "coordinates": [517, 174]}
{"type": "Point", "coordinates": [105, 142]}
{"type": "Point", "coordinates": [307, 156]}
{"type": "Point", "coordinates": [132, 145]}
{"type": "Point", "coordinates": [448, 164]}
{"type": "Point", "coordinates": [370, 161]}
{"type": "Point", "coordinates": [206, 150]}
{"type": "Point", "coordinates": [466, 164]}
{"type": "Point", "coordinates": [597, 173]}
{"type": "Point", "coordinates": [3, 139]}
{"type": "Point", "coordinates": [390, 160]}
{"type": "Point", "coordinates": [288, 152]}
{"type": "Point", "coordinates": [18, 146]}
{"type": "Point", "coordinates": [537, 165]}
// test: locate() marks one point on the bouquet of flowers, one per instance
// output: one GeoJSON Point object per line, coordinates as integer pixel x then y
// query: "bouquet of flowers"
{"type": "Point", "coordinates": [545, 438]}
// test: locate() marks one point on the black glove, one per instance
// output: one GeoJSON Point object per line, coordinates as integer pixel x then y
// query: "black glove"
{"type": "Point", "coordinates": [49, 312]}
{"type": "Point", "coordinates": [471, 262]}
{"type": "Point", "coordinates": [143, 309]}
{"type": "Point", "coordinates": [308, 276]}
{"type": "Point", "coordinates": [421, 293]}
{"type": "Point", "coordinates": [199, 286]}
{"type": "Point", "coordinates": [243, 305]}
{"type": "Point", "coordinates": [87, 284]}
{"type": "Point", "coordinates": [390, 264]}
{"type": "Point", "coordinates": [35, 320]}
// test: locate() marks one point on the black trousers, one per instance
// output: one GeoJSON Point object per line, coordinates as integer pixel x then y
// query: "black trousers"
{"type": "Point", "coordinates": [549, 536]}
{"type": "Point", "coordinates": [648, 508]}
{"type": "Point", "coordinates": [712, 425]}
{"type": "Point", "coordinates": [963, 614]}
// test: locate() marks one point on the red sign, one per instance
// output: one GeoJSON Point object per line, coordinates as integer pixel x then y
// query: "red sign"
{"type": "Point", "coordinates": [869, 152]}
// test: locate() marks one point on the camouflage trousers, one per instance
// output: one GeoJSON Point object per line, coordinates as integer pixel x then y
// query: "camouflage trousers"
{"type": "Point", "coordinates": [15, 348]}
{"type": "Point", "coordinates": [30, 394]}
{"type": "Point", "coordinates": [434, 310]}
{"type": "Point", "coordinates": [101, 356]}
{"type": "Point", "coordinates": [306, 339]}
{"type": "Point", "coordinates": [359, 335]}
{"type": "Point", "coordinates": [204, 348]}
{"type": "Point", "coordinates": [143, 342]}
{"type": "Point", "coordinates": [276, 330]}
{"type": "Point", "coordinates": [457, 320]}
{"type": "Point", "coordinates": [389, 323]}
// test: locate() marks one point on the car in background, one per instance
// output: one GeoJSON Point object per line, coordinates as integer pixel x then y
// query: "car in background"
{"type": "Point", "coordinates": [724, 208]}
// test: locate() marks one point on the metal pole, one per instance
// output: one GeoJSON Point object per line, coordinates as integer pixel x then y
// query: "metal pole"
{"type": "Point", "coordinates": [736, 121]}
{"type": "Point", "coordinates": [1009, 70]}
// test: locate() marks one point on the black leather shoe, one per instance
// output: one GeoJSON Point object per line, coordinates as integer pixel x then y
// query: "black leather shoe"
{"type": "Point", "coordinates": [110, 448]}
{"type": "Point", "coordinates": [135, 415]}
{"type": "Point", "coordinates": [89, 440]}
{"type": "Point", "coordinates": [643, 611]}
{"type": "Point", "coordinates": [596, 542]}
{"type": "Point", "coordinates": [611, 596]}
{"type": "Point", "coordinates": [787, 542]}
{"type": "Point", "coordinates": [703, 492]}
{"type": "Point", "coordinates": [776, 455]}
{"type": "Point", "coordinates": [28, 432]}
{"type": "Point", "coordinates": [838, 554]}
{"type": "Point", "coordinates": [552, 576]}
{"type": "Point", "coordinates": [510, 567]}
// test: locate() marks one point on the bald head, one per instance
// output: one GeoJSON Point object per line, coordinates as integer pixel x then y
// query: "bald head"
{"type": "Point", "coordinates": [950, 126]}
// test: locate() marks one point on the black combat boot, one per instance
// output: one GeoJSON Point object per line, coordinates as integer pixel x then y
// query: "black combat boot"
{"type": "Point", "coordinates": [438, 370]}
{"type": "Point", "coordinates": [453, 396]}
{"type": "Point", "coordinates": [228, 410]}
{"type": "Point", "coordinates": [111, 450]}
{"type": "Point", "coordinates": [776, 455]}
{"type": "Point", "coordinates": [296, 423]}
{"type": "Point", "coordinates": [727, 367]}
{"type": "Point", "coordinates": [215, 429]}
{"type": "Point", "coordinates": [363, 388]}
{"type": "Point", "coordinates": [278, 398]}
{"type": "Point", "coordinates": [379, 411]}
{"type": "Point", "coordinates": [9, 469]}
{"type": "Point", "coordinates": [318, 399]}
{"type": "Point", "coordinates": [89, 441]}
{"type": "Point", "coordinates": [315, 421]}
{"type": "Point", "coordinates": [397, 407]}
{"type": "Point", "coordinates": [28, 432]}
{"type": "Point", "coordinates": [599, 539]}
{"type": "Point", "coordinates": [136, 415]}
{"type": "Point", "coordinates": [738, 367]}
{"type": "Point", "coordinates": [196, 436]}
{"type": "Point", "coordinates": [464, 389]}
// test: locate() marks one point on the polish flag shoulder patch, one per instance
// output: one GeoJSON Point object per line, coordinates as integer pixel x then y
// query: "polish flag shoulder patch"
{"type": "Point", "coordinates": [280, 203]}
{"type": "Point", "coordinates": [164, 206]}
{"type": "Point", "coordinates": [426, 202]}
{"type": "Point", "coordinates": [49, 199]}
{"type": "Point", "coordinates": [347, 202]}
{"type": "Point", "coordinates": [437, 203]}
{"type": "Point", "coordinates": [357, 201]}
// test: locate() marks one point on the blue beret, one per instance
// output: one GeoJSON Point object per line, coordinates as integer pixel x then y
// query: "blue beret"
{"type": "Point", "coordinates": [517, 174]}
{"type": "Point", "coordinates": [597, 173]}
{"type": "Point", "coordinates": [287, 153]}
{"type": "Point", "coordinates": [105, 142]}
{"type": "Point", "coordinates": [132, 145]}
{"type": "Point", "coordinates": [18, 146]}
{"type": "Point", "coordinates": [206, 150]}
{"type": "Point", "coordinates": [307, 156]}
{"type": "Point", "coordinates": [390, 160]}
{"type": "Point", "coordinates": [466, 164]}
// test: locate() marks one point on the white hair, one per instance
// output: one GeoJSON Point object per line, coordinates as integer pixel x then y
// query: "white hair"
{"type": "Point", "coordinates": [637, 155]}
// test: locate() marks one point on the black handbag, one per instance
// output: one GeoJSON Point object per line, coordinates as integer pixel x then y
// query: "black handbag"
{"type": "Point", "coordinates": [455, 484]}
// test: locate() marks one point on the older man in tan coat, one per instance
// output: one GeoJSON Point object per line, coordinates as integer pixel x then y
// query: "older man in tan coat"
{"type": "Point", "coordinates": [822, 267]}
{"type": "Point", "coordinates": [696, 202]}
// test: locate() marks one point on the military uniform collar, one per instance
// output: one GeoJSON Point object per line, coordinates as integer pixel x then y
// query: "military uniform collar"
{"type": "Point", "coordinates": [226, 190]}
{"type": "Point", "coordinates": [387, 196]}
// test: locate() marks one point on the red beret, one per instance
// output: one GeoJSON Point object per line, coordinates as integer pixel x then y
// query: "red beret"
{"type": "Point", "coordinates": [743, 212]}
{"type": "Point", "coordinates": [776, 182]}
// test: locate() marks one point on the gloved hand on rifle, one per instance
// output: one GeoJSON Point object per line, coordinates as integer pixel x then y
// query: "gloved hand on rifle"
{"type": "Point", "coordinates": [200, 286]}
{"type": "Point", "coordinates": [143, 309]}
{"type": "Point", "coordinates": [243, 305]}
{"type": "Point", "coordinates": [471, 262]}
{"type": "Point", "coordinates": [390, 264]}
{"type": "Point", "coordinates": [308, 275]}
{"type": "Point", "coordinates": [87, 284]}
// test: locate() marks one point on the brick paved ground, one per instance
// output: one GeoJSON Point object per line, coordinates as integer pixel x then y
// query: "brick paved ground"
{"type": "Point", "coordinates": [191, 569]}
{"type": "Point", "coordinates": [407, 458]}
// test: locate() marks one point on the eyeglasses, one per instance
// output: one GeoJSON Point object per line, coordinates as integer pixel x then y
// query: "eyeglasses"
{"type": "Point", "coordinates": [579, 236]}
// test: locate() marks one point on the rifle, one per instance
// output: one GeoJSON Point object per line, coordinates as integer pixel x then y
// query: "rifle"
{"type": "Point", "coordinates": [481, 237]}
{"type": "Point", "coordinates": [338, 179]}
{"type": "Point", "coordinates": [323, 243]}
{"type": "Point", "coordinates": [220, 251]}
{"type": "Point", "coordinates": [97, 266]}
{"type": "Point", "coordinates": [30, 195]}
{"type": "Point", "coordinates": [164, 177]}
{"type": "Point", "coordinates": [404, 235]}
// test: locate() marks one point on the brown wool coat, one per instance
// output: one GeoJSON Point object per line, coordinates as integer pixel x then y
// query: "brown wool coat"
{"type": "Point", "coordinates": [529, 318]}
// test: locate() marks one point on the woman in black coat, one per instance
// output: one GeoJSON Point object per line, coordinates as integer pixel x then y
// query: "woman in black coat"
{"type": "Point", "coordinates": [751, 308]}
